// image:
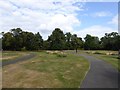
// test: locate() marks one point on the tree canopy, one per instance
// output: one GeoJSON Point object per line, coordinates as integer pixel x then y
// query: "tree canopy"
{"type": "Point", "coordinates": [17, 39]}
{"type": "Point", "coordinates": [91, 42]}
{"type": "Point", "coordinates": [57, 40]}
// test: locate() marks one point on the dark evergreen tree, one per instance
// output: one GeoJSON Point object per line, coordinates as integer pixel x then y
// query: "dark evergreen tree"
{"type": "Point", "coordinates": [91, 42]}
{"type": "Point", "coordinates": [57, 40]}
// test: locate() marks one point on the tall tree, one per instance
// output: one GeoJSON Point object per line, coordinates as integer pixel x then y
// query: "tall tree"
{"type": "Point", "coordinates": [46, 45]}
{"type": "Point", "coordinates": [76, 42]}
{"type": "Point", "coordinates": [17, 38]}
{"type": "Point", "coordinates": [68, 37]}
{"type": "Point", "coordinates": [38, 41]}
{"type": "Point", "coordinates": [111, 41]}
{"type": "Point", "coordinates": [91, 42]}
{"type": "Point", "coordinates": [57, 40]}
{"type": "Point", "coordinates": [8, 41]}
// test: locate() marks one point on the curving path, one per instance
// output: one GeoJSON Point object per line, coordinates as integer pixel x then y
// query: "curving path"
{"type": "Point", "coordinates": [100, 75]}
{"type": "Point", "coordinates": [23, 58]}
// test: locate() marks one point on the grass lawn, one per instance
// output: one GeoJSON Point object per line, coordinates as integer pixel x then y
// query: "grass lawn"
{"type": "Point", "coordinates": [105, 55]}
{"type": "Point", "coordinates": [11, 55]}
{"type": "Point", "coordinates": [46, 71]}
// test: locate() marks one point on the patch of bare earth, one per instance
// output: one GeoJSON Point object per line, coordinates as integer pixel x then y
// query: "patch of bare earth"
{"type": "Point", "coordinates": [15, 76]}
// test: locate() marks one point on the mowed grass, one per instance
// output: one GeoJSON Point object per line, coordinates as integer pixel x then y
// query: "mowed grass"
{"type": "Point", "coordinates": [11, 55]}
{"type": "Point", "coordinates": [47, 71]}
{"type": "Point", "coordinates": [108, 56]}
{"type": "Point", "coordinates": [112, 59]}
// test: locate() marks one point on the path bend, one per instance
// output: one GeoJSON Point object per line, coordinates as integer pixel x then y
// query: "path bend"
{"type": "Point", "coordinates": [100, 75]}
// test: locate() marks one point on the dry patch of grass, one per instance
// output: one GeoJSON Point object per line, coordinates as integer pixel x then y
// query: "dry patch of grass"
{"type": "Point", "coordinates": [102, 52]}
{"type": "Point", "coordinates": [19, 77]}
{"type": "Point", "coordinates": [58, 53]}
{"type": "Point", "coordinates": [46, 71]}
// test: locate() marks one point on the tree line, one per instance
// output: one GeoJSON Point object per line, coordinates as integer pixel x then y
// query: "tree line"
{"type": "Point", "coordinates": [18, 40]}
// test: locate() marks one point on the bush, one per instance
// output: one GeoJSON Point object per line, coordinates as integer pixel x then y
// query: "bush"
{"type": "Point", "coordinates": [61, 55]}
{"type": "Point", "coordinates": [110, 53]}
{"type": "Point", "coordinates": [113, 54]}
{"type": "Point", "coordinates": [97, 53]}
{"type": "Point", "coordinates": [52, 52]}
{"type": "Point", "coordinates": [118, 57]}
{"type": "Point", "coordinates": [87, 52]}
{"type": "Point", "coordinates": [57, 53]}
{"type": "Point", "coordinates": [23, 49]}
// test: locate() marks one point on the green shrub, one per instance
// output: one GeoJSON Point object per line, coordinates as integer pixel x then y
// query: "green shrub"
{"type": "Point", "coordinates": [118, 57]}
{"type": "Point", "coordinates": [23, 49]}
{"type": "Point", "coordinates": [87, 52]}
{"type": "Point", "coordinates": [97, 53]}
{"type": "Point", "coordinates": [61, 55]}
{"type": "Point", "coordinates": [113, 54]}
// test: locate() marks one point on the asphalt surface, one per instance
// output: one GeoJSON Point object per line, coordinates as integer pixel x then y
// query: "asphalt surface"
{"type": "Point", "coordinates": [23, 58]}
{"type": "Point", "coordinates": [100, 74]}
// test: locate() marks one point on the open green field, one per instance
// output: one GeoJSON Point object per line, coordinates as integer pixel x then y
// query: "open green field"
{"type": "Point", "coordinates": [108, 56]}
{"type": "Point", "coordinates": [55, 70]}
{"type": "Point", "coordinates": [51, 69]}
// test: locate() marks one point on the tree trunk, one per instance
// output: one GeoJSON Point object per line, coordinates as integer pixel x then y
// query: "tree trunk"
{"type": "Point", "coordinates": [76, 50]}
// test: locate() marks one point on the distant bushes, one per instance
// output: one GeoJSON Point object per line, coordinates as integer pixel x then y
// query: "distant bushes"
{"type": "Point", "coordinates": [102, 53]}
{"type": "Point", "coordinates": [118, 57]}
{"type": "Point", "coordinates": [94, 52]}
{"type": "Point", "coordinates": [57, 53]}
{"type": "Point", "coordinates": [61, 55]}
{"type": "Point", "coordinates": [23, 49]}
{"type": "Point", "coordinates": [97, 53]}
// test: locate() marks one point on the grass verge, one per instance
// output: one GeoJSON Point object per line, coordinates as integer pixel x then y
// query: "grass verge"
{"type": "Point", "coordinates": [108, 56]}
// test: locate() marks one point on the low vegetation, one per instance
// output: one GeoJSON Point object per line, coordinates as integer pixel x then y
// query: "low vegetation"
{"type": "Point", "coordinates": [47, 70]}
{"type": "Point", "coordinates": [57, 53]}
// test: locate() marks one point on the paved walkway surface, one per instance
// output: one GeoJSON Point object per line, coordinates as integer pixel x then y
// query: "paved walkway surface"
{"type": "Point", "coordinates": [23, 58]}
{"type": "Point", "coordinates": [100, 75]}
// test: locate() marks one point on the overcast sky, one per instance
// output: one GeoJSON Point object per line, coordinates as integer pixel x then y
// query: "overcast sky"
{"type": "Point", "coordinates": [81, 18]}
